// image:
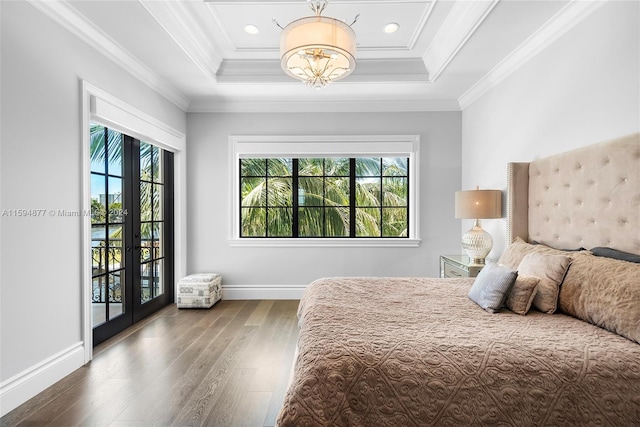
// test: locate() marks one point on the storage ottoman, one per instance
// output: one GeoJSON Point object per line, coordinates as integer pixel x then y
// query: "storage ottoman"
{"type": "Point", "coordinates": [199, 290]}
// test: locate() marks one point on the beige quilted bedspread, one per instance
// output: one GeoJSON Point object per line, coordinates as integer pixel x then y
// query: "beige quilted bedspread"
{"type": "Point", "coordinates": [417, 351]}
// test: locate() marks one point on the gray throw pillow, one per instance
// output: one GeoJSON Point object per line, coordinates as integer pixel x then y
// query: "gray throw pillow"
{"type": "Point", "coordinates": [490, 288]}
{"type": "Point", "coordinates": [615, 254]}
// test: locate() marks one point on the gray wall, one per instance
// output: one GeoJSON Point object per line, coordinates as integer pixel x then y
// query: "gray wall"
{"type": "Point", "coordinates": [40, 265]}
{"type": "Point", "coordinates": [582, 89]}
{"type": "Point", "coordinates": [208, 180]}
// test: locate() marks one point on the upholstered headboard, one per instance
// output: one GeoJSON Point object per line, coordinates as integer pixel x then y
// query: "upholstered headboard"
{"type": "Point", "coordinates": [586, 198]}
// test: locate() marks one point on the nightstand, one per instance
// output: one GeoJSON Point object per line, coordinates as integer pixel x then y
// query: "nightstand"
{"type": "Point", "coordinates": [458, 266]}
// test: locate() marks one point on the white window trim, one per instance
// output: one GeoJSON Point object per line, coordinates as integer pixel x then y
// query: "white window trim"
{"type": "Point", "coordinates": [243, 146]}
{"type": "Point", "coordinates": [101, 107]}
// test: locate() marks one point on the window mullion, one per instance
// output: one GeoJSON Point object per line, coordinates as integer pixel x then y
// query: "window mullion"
{"type": "Point", "coordinates": [267, 210]}
{"type": "Point", "coordinates": [352, 197]}
{"type": "Point", "coordinates": [324, 198]}
{"type": "Point", "coordinates": [107, 222]}
{"type": "Point", "coordinates": [381, 201]}
{"type": "Point", "coordinates": [240, 177]}
{"type": "Point", "coordinates": [408, 195]}
{"type": "Point", "coordinates": [295, 230]}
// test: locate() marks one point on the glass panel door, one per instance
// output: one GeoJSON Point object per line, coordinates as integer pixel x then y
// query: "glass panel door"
{"type": "Point", "coordinates": [108, 228]}
{"type": "Point", "coordinates": [131, 230]}
{"type": "Point", "coordinates": [151, 222]}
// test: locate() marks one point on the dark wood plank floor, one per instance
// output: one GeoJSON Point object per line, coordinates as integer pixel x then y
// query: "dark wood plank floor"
{"type": "Point", "coordinates": [226, 366]}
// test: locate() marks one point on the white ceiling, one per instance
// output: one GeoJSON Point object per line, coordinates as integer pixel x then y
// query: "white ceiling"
{"type": "Point", "coordinates": [197, 54]}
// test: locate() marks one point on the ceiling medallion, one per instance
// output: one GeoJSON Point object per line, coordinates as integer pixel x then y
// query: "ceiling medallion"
{"type": "Point", "coordinates": [318, 50]}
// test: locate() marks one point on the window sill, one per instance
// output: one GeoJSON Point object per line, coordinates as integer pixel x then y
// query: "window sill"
{"type": "Point", "coordinates": [323, 242]}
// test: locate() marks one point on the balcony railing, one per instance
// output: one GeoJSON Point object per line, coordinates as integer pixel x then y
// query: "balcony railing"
{"type": "Point", "coordinates": [107, 268]}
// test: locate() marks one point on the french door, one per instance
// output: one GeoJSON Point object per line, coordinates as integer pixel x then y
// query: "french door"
{"type": "Point", "coordinates": [131, 230]}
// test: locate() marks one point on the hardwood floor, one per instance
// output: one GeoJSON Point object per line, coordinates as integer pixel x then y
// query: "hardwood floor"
{"type": "Point", "coordinates": [226, 366]}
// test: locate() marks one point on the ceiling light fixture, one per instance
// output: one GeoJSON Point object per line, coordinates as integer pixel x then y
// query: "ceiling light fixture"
{"type": "Point", "coordinates": [317, 49]}
{"type": "Point", "coordinates": [391, 27]}
{"type": "Point", "coordinates": [251, 29]}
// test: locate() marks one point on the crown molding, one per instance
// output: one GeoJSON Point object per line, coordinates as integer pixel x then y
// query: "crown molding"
{"type": "Point", "coordinates": [64, 14]}
{"type": "Point", "coordinates": [563, 21]}
{"type": "Point", "coordinates": [421, 24]}
{"type": "Point", "coordinates": [226, 39]}
{"type": "Point", "coordinates": [258, 71]}
{"type": "Point", "coordinates": [461, 22]}
{"type": "Point", "coordinates": [179, 24]}
{"type": "Point", "coordinates": [273, 105]}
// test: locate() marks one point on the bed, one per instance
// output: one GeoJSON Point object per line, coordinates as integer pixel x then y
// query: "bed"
{"type": "Point", "coordinates": [406, 351]}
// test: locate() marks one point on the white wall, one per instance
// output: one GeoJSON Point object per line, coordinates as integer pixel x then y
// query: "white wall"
{"type": "Point", "coordinates": [209, 179]}
{"type": "Point", "coordinates": [40, 275]}
{"type": "Point", "coordinates": [584, 88]}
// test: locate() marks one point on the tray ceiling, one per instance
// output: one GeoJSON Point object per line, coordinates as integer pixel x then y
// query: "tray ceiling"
{"type": "Point", "coordinates": [198, 54]}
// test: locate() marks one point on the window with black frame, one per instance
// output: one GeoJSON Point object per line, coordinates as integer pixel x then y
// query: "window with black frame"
{"type": "Point", "coordinates": [330, 197]}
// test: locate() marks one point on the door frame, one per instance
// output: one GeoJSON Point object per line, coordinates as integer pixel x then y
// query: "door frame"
{"type": "Point", "coordinates": [101, 107]}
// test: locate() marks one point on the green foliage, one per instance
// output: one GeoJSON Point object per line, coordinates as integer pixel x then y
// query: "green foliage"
{"type": "Point", "coordinates": [116, 212]}
{"type": "Point", "coordinates": [324, 196]}
{"type": "Point", "coordinates": [99, 150]}
{"type": "Point", "coordinates": [98, 212]}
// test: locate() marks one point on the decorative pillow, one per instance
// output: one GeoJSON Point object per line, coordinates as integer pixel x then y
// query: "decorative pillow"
{"type": "Point", "coordinates": [491, 286]}
{"type": "Point", "coordinates": [605, 292]}
{"type": "Point", "coordinates": [515, 252]}
{"type": "Point", "coordinates": [550, 269]}
{"type": "Point", "coordinates": [521, 295]}
{"type": "Point", "coordinates": [615, 254]}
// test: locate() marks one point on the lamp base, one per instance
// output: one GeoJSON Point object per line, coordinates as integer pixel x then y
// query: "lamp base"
{"type": "Point", "coordinates": [477, 243]}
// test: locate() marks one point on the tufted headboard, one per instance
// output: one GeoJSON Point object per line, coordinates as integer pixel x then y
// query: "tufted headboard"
{"type": "Point", "coordinates": [586, 197]}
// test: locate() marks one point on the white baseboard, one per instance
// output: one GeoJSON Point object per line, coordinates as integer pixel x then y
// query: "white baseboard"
{"type": "Point", "coordinates": [23, 386]}
{"type": "Point", "coordinates": [241, 292]}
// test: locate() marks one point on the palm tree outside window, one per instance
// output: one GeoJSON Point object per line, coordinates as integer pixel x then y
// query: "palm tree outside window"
{"type": "Point", "coordinates": [332, 197]}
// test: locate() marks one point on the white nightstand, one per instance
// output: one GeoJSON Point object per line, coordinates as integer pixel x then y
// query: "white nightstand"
{"type": "Point", "coordinates": [458, 266]}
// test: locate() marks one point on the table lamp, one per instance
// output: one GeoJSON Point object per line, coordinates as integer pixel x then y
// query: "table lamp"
{"type": "Point", "coordinates": [478, 204]}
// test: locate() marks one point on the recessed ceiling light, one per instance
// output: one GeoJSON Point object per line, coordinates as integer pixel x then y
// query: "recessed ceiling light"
{"type": "Point", "coordinates": [251, 29]}
{"type": "Point", "coordinates": [391, 27]}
